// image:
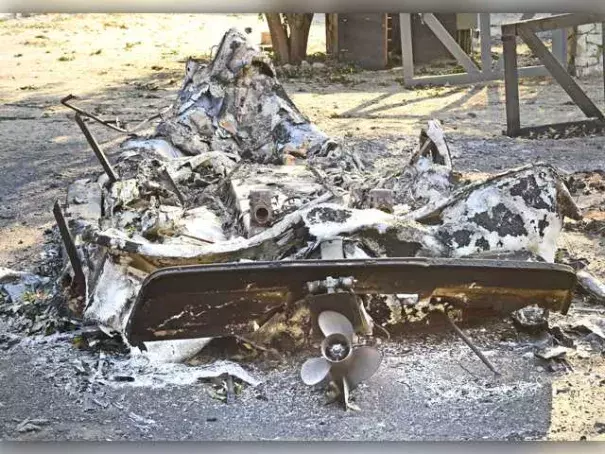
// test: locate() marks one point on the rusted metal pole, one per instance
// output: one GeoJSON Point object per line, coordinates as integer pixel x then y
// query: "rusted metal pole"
{"type": "Point", "coordinates": [65, 102]}
{"type": "Point", "coordinates": [113, 176]}
{"type": "Point", "coordinates": [70, 248]}
{"type": "Point", "coordinates": [468, 342]}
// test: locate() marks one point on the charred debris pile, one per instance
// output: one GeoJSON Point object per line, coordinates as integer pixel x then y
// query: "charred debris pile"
{"type": "Point", "coordinates": [239, 217]}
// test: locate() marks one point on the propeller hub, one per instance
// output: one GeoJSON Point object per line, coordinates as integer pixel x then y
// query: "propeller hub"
{"type": "Point", "coordinates": [336, 348]}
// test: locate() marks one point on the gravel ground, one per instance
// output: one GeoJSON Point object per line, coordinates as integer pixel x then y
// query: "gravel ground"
{"type": "Point", "coordinates": [429, 387]}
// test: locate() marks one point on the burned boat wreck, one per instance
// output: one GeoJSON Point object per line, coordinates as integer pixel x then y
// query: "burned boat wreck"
{"type": "Point", "coordinates": [238, 213]}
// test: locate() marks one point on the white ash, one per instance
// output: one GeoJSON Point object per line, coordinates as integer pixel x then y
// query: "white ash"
{"type": "Point", "coordinates": [112, 299]}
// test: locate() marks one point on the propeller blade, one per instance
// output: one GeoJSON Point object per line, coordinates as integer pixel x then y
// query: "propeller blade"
{"type": "Point", "coordinates": [364, 363]}
{"type": "Point", "coordinates": [331, 322]}
{"type": "Point", "coordinates": [314, 370]}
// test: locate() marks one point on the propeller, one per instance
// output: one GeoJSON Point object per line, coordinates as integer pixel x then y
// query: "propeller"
{"type": "Point", "coordinates": [346, 365]}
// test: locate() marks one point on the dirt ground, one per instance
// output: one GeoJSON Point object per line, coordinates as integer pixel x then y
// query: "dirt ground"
{"type": "Point", "coordinates": [130, 66]}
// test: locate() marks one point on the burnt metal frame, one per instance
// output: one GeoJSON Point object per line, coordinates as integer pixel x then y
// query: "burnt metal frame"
{"type": "Point", "coordinates": [79, 281]}
{"type": "Point", "coordinates": [111, 173]}
{"type": "Point", "coordinates": [222, 299]}
{"type": "Point", "coordinates": [527, 31]}
{"type": "Point", "coordinates": [474, 74]}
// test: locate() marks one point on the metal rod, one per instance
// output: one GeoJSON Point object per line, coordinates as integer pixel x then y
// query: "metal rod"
{"type": "Point", "coordinates": [65, 102]}
{"type": "Point", "coordinates": [131, 132]}
{"type": "Point", "coordinates": [113, 176]}
{"type": "Point", "coordinates": [72, 252]}
{"type": "Point", "coordinates": [472, 346]}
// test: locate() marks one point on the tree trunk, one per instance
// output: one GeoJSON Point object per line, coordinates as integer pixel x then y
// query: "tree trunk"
{"type": "Point", "coordinates": [300, 25]}
{"type": "Point", "coordinates": [279, 38]}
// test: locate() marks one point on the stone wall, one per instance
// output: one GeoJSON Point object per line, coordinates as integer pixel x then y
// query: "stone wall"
{"type": "Point", "coordinates": [588, 59]}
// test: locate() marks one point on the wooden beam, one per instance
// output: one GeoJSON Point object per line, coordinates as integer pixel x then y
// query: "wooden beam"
{"type": "Point", "coordinates": [553, 22]}
{"type": "Point", "coordinates": [485, 34]}
{"type": "Point", "coordinates": [585, 126]}
{"type": "Point", "coordinates": [559, 73]}
{"type": "Point", "coordinates": [407, 52]}
{"type": "Point", "coordinates": [465, 78]}
{"type": "Point", "coordinates": [511, 84]}
{"type": "Point", "coordinates": [450, 43]}
{"type": "Point", "coordinates": [559, 46]}
{"type": "Point", "coordinates": [603, 51]}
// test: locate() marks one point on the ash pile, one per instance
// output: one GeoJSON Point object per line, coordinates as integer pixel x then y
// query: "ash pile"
{"type": "Point", "coordinates": [235, 175]}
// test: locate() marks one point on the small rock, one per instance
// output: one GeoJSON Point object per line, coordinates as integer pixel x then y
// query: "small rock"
{"type": "Point", "coordinates": [561, 337]}
{"type": "Point", "coordinates": [123, 378]}
{"type": "Point", "coordinates": [555, 366]}
{"type": "Point", "coordinates": [317, 66]}
{"type": "Point", "coordinates": [305, 66]}
{"type": "Point", "coordinates": [530, 319]}
{"type": "Point", "coordinates": [101, 403]}
{"type": "Point", "coordinates": [7, 342]}
{"type": "Point", "coordinates": [33, 425]}
{"type": "Point", "coordinates": [599, 427]}
{"type": "Point", "coordinates": [40, 421]}
{"type": "Point", "coordinates": [552, 352]}
{"type": "Point", "coordinates": [28, 427]}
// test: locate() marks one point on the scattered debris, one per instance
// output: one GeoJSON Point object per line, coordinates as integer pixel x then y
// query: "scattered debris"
{"type": "Point", "coordinates": [552, 353]}
{"type": "Point", "coordinates": [286, 224]}
{"type": "Point", "coordinates": [531, 319]}
{"type": "Point", "coordinates": [17, 284]}
{"type": "Point", "coordinates": [7, 341]}
{"type": "Point", "coordinates": [222, 368]}
{"type": "Point", "coordinates": [592, 286]}
{"type": "Point", "coordinates": [31, 425]}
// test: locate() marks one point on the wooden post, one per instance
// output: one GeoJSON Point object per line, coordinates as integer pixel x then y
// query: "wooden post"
{"type": "Point", "coordinates": [511, 84]}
